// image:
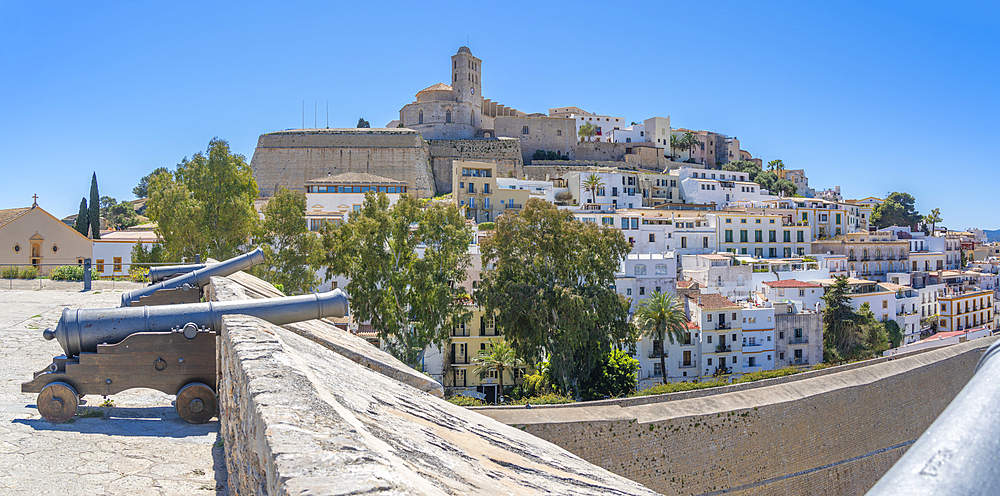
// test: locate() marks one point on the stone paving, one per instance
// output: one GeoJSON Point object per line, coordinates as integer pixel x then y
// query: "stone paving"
{"type": "Point", "coordinates": [138, 447]}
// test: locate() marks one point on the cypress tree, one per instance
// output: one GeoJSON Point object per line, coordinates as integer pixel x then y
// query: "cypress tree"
{"type": "Point", "coordinates": [95, 209]}
{"type": "Point", "coordinates": [82, 219]}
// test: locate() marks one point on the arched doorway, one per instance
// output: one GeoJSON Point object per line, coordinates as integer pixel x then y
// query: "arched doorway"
{"type": "Point", "coordinates": [35, 256]}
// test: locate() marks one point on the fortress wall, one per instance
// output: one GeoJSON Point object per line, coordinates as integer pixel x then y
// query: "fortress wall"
{"type": "Point", "coordinates": [289, 158]}
{"type": "Point", "coordinates": [505, 152]}
{"type": "Point", "coordinates": [298, 415]}
{"type": "Point", "coordinates": [831, 433]}
{"type": "Point", "coordinates": [601, 150]}
{"type": "Point", "coordinates": [553, 134]}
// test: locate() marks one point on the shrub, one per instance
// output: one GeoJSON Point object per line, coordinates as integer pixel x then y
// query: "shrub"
{"type": "Point", "coordinates": [613, 377]}
{"type": "Point", "coordinates": [768, 374]}
{"type": "Point", "coordinates": [674, 387]}
{"type": "Point", "coordinates": [72, 273]}
{"type": "Point", "coordinates": [487, 226]}
{"type": "Point", "coordinates": [465, 401]}
{"type": "Point", "coordinates": [545, 399]}
{"type": "Point", "coordinates": [138, 274]}
{"type": "Point", "coordinates": [15, 272]}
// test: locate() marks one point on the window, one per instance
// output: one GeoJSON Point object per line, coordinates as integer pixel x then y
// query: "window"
{"type": "Point", "coordinates": [640, 270]}
{"type": "Point", "coordinates": [743, 235]}
{"type": "Point", "coordinates": [788, 236]}
{"type": "Point", "coordinates": [524, 129]}
{"type": "Point", "coordinates": [801, 237]}
{"type": "Point", "coordinates": [704, 242]}
{"type": "Point", "coordinates": [781, 334]}
{"type": "Point", "coordinates": [624, 223]}
{"type": "Point", "coordinates": [729, 221]}
{"type": "Point", "coordinates": [802, 292]}
{"type": "Point", "coordinates": [729, 235]}
{"type": "Point", "coordinates": [642, 290]}
{"type": "Point", "coordinates": [635, 223]}
{"type": "Point", "coordinates": [100, 266]}
{"type": "Point", "coordinates": [684, 242]}
{"type": "Point", "coordinates": [772, 236]}
{"type": "Point", "coordinates": [662, 269]}
{"type": "Point", "coordinates": [798, 355]}
{"type": "Point", "coordinates": [447, 117]}
{"type": "Point", "coordinates": [885, 303]}
{"type": "Point", "coordinates": [758, 236]}
{"type": "Point", "coordinates": [118, 264]}
{"type": "Point", "coordinates": [652, 238]}
{"type": "Point", "coordinates": [420, 117]}
{"type": "Point", "coordinates": [558, 132]}
{"type": "Point", "coordinates": [743, 221]}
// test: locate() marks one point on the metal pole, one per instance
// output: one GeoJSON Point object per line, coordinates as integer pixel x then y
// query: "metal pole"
{"type": "Point", "coordinates": [86, 274]}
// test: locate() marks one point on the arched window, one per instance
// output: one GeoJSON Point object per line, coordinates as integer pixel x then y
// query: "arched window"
{"type": "Point", "coordinates": [852, 256]}
{"type": "Point", "coordinates": [420, 117]}
{"type": "Point", "coordinates": [628, 140]}
{"type": "Point", "coordinates": [878, 254]}
{"type": "Point", "coordinates": [864, 254]}
{"type": "Point", "coordinates": [447, 116]}
{"type": "Point", "coordinates": [852, 267]}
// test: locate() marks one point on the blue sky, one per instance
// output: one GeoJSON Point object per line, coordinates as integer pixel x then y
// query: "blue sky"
{"type": "Point", "coordinates": [871, 96]}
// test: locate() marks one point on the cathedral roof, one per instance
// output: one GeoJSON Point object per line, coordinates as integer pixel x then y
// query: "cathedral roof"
{"type": "Point", "coordinates": [436, 87]}
{"type": "Point", "coordinates": [464, 49]}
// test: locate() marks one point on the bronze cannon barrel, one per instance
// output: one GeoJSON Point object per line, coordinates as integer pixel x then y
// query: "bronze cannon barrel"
{"type": "Point", "coordinates": [157, 274]}
{"type": "Point", "coordinates": [81, 330]}
{"type": "Point", "coordinates": [198, 277]}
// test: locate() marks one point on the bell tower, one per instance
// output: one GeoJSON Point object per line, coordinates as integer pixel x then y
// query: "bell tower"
{"type": "Point", "coordinates": [466, 82]}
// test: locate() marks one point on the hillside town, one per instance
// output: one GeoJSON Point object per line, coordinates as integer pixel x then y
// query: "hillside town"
{"type": "Point", "coordinates": [749, 249]}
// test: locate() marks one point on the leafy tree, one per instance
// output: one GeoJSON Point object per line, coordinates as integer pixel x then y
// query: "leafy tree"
{"type": "Point", "coordinates": [850, 335]}
{"type": "Point", "coordinates": [661, 317]}
{"type": "Point", "coordinates": [587, 131]}
{"type": "Point", "coordinates": [121, 216]}
{"type": "Point", "coordinates": [411, 299]}
{"type": "Point", "coordinates": [896, 210]}
{"type": "Point", "coordinates": [751, 168]}
{"type": "Point", "coordinates": [292, 254]}
{"type": "Point", "coordinates": [593, 183]}
{"type": "Point", "coordinates": [142, 256]}
{"type": "Point", "coordinates": [498, 356]}
{"type": "Point", "coordinates": [933, 218]}
{"type": "Point", "coordinates": [82, 222]}
{"type": "Point", "coordinates": [686, 141]}
{"type": "Point", "coordinates": [206, 206]}
{"type": "Point", "coordinates": [94, 214]}
{"type": "Point", "coordinates": [362, 123]}
{"type": "Point", "coordinates": [550, 288]}
{"type": "Point", "coordinates": [142, 189]}
{"type": "Point", "coordinates": [784, 187]}
{"type": "Point", "coordinates": [894, 333]}
{"type": "Point", "coordinates": [613, 377]}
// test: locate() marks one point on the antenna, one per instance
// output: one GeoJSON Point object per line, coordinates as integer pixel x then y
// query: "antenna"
{"type": "Point", "coordinates": [303, 114]}
{"type": "Point", "coordinates": [315, 110]}
{"type": "Point", "coordinates": [328, 114]}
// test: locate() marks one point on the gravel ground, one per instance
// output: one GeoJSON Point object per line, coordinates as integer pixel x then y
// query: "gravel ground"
{"type": "Point", "coordinates": [138, 447]}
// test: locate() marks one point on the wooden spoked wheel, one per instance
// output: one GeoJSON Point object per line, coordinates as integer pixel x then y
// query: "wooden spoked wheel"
{"type": "Point", "coordinates": [57, 402]}
{"type": "Point", "coordinates": [196, 403]}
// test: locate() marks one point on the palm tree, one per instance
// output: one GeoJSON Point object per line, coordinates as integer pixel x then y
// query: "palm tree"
{"type": "Point", "coordinates": [498, 356]}
{"type": "Point", "coordinates": [934, 217]}
{"type": "Point", "coordinates": [661, 317]}
{"type": "Point", "coordinates": [593, 183]}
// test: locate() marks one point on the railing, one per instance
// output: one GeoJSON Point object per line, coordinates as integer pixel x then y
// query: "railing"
{"type": "Point", "coordinates": [752, 344]}
{"type": "Point", "coordinates": [800, 361]}
{"type": "Point", "coordinates": [723, 348]}
{"type": "Point", "coordinates": [724, 326]}
{"type": "Point", "coordinates": [802, 340]}
{"type": "Point", "coordinates": [685, 365]}
{"type": "Point", "coordinates": [516, 206]}
{"type": "Point", "coordinates": [657, 353]}
{"type": "Point", "coordinates": [460, 361]}
{"type": "Point", "coordinates": [460, 334]}
{"type": "Point", "coordinates": [722, 371]}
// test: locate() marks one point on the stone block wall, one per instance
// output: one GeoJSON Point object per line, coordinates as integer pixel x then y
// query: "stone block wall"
{"type": "Point", "coordinates": [830, 433]}
{"type": "Point", "coordinates": [554, 134]}
{"type": "Point", "coordinates": [505, 152]}
{"type": "Point", "coordinates": [298, 417]}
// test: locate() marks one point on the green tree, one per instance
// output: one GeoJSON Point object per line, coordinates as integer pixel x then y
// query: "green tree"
{"type": "Point", "coordinates": [894, 333]}
{"type": "Point", "coordinates": [613, 377]}
{"type": "Point", "coordinates": [839, 335]}
{"type": "Point", "coordinates": [498, 356]}
{"type": "Point", "coordinates": [551, 289]}
{"type": "Point", "coordinates": [82, 222]}
{"type": "Point", "coordinates": [94, 214]}
{"type": "Point", "coordinates": [784, 187]}
{"type": "Point", "coordinates": [660, 318]}
{"type": "Point", "coordinates": [362, 123]}
{"type": "Point", "coordinates": [933, 218]}
{"type": "Point", "coordinates": [142, 256]}
{"type": "Point", "coordinates": [412, 299]}
{"type": "Point", "coordinates": [776, 165]}
{"type": "Point", "coordinates": [587, 131]}
{"type": "Point", "coordinates": [142, 189]}
{"type": "Point", "coordinates": [292, 254]}
{"type": "Point", "coordinates": [751, 168]}
{"type": "Point", "coordinates": [206, 207]}
{"type": "Point", "coordinates": [593, 183]}
{"type": "Point", "coordinates": [896, 210]}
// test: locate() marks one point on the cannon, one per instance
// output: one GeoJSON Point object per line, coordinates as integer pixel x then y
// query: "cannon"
{"type": "Point", "coordinates": [186, 288]}
{"type": "Point", "coordinates": [169, 348]}
{"type": "Point", "coordinates": [164, 272]}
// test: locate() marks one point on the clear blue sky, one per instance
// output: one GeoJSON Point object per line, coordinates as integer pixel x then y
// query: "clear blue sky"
{"type": "Point", "coordinates": [871, 96]}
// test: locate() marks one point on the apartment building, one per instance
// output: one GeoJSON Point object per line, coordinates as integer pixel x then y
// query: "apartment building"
{"type": "Point", "coordinates": [758, 347]}
{"type": "Point", "coordinates": [713, 149]}
{"type": "Point", "coordinates": [808, 295]}
{"type": "Point", "coordinates": [798, 336]}
{"type": "Point", "coordinates": [760, 235]}
{"type": "Point", "coordinates": [334, 197]}
{"type": "Point", "coordinates": [719, 274]}
{"type": "Point", "coordinates": [603, 123]}
{"type": "Point", "coordinates": [871, 255]}
{"type": "Point", "coordinates": [719, 187]}
{"type": "Point", "coordinates": [641, 274]}
{"type": "Point", "coordinates": [961, 310]}
{"type": "Point", "coordinates": [619, 189]}
{"type": "Point", "coordinates": [474, 185]}
{"type": "Point", "coordinates": [721, 344]}
{"type": "Point", "coordinates": [827, 219]}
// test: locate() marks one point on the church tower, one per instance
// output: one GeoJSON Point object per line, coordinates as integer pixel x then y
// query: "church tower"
{"type": "Point", "coordinates": [466, 83]}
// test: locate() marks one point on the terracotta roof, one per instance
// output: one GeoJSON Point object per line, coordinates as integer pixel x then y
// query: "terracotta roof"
{"type": "Point", "coordinates": [691, 325]}
{"type": "Point", "coordinates": [685, 284]}
{"type": "Point", "coordinates": [355, 178]}
{"type": "Point", "coordinates": [792, 283]}
{"type": "Point", "coordinates": [712, 300]}
{"type": "Point", "coordinates": [436, 87]}
{"type": "Point", "coordinates": [10, 214]}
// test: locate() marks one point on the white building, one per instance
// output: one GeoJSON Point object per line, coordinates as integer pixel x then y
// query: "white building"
{"type": "Point", "coordinates": [719, 187]}
{"type": "Point", "coordinates": [806, 295]}
{"type": "Point", "coordinates": [334, 197]}
{"type": "Point", "coordinates": [618, 188]}
{"type": "Point", "coordinates": [543, 190]}
{"type": "Point", "coordinates": [603, 123]}
{"type": "Point", "coordinates": [641, 274]}
{"type": "Point", "coordinates": [635, 133]}
{"type": "Point", "coordinates": [758, 350]}
{"type": "Point", "coordinates": [113, 252]}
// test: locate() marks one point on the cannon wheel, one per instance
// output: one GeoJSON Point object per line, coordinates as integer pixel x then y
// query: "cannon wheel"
{"type": "Point", "coordinates": [196, 403]}
{"type": "Point", "coordinates": [57, 402]}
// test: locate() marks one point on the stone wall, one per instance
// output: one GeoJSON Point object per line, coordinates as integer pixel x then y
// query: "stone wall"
{"type": "Point", "coordinates": [553, 134]}
{"type": "Point", "coordinates": [505, 152]}
{"type": "Point", "coordinates": [290, 158]}
{"type": "Point", "coordinates": [835, 431]}
{"type": "Point", "coordinates": [601, 150]}
{"type": "Point", "coordinates": [299, 417]}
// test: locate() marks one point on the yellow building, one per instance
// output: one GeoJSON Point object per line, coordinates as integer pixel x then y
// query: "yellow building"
{"type": "Point", "coordinates": [467, 340]}
{"type": "Point", "coordinates": [32, 236]}
{"type": "Point", "coordinates": [475, 189]}
{"type": "Point", "coordinates": [965, 310]}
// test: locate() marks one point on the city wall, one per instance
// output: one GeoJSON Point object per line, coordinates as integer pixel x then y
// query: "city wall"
{"type": "Point", "coordinates": [834, 431]}
{"type": "Point", "coordinates": [505, 152]}
{"type": "Point", "coordinates": [290, 158]}
{"type": "Point", "coordinates": [310, 409]}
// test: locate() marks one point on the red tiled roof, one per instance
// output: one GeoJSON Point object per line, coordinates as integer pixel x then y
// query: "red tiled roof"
{"type": "Point", "coordinates": [691, 325]}
{"type": "Point", "coordinates": [792, 283]}
{"type": "Point", "coordinates": [712, 301]}
{"type": "Point", "coordinates": [685, 284]}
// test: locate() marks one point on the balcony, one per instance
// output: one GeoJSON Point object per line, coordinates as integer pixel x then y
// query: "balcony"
{"type": "Point", "coordinates": [685, 365]}
{"type": "Point", "coordinates": [800, 361]}
{"type": "Point", "coordinates": [724, 326]}
{"type": "Point", "coordinates": [752, 344]}
{"type": "Point", "coordinates": [657, 353]}
{"type": "Point", "coordinates": [514, 206]}
{"type": "Point", "coordinates": [462, 360]}
{"type": "Point", "coordinates": [722, 371]}
{"type": "Point", "coordinates": [801, 340]}
{"type": "Point", "coordinates": [723, 348]}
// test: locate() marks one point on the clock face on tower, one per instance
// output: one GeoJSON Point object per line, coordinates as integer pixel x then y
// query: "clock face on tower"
{"type": "Point", "coordinates": [472, 90]}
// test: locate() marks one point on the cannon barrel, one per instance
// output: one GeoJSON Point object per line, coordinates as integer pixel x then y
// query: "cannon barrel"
{"type": "Point", "coordinates": [81, 330]}
{"type": "Point", "coordinates": [157, 274]}
{"type": "Point", "coordinates": [957, 454]}
{"type": "Point", "coordinates": [198, 277]}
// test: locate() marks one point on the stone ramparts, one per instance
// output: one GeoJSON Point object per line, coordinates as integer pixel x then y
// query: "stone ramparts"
{"type": "Point", "coordinates": [834, 431]}
{"type": "Point", "coordinates": [298, 416]}
{"type": "Point", "coordinates": [505, 152]}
